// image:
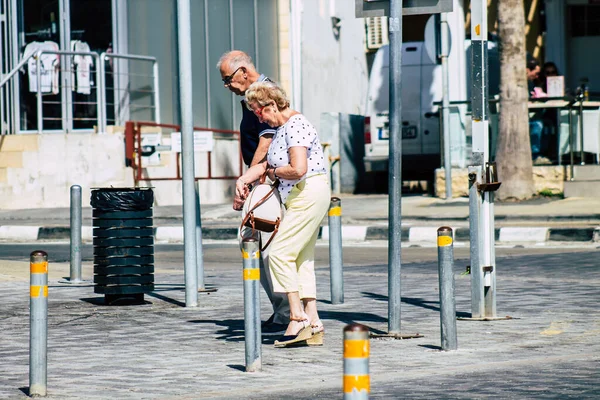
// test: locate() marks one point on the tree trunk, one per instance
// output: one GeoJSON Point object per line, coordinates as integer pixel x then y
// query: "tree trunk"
{"type": "Point", "coordinates": [513, 150]}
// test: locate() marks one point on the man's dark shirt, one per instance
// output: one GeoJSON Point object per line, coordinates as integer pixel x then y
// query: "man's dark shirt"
{"type": "Point", "coordinates": [251, 130]}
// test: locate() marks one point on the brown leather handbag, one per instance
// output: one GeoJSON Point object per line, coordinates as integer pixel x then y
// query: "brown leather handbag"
{"type": "Point", "coordinates": [262, 209]}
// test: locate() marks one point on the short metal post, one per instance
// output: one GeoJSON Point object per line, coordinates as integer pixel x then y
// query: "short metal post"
{"type": "Point", "coordinates": [446, 278]}
{"type": "Point", "coordinates": [75, 275]}
{"type": "Point", "coordinates": [357, 381]}
{"type": "Point", "coordinates": [251, 263]}
{"type": "Point", "coordinates": [335, 251]}
{"type": "Point", "coordinates": [38, 323]}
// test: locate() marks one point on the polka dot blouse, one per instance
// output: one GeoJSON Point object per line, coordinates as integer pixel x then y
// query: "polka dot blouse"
{"type": "Point", "coordinates": [297, 131]}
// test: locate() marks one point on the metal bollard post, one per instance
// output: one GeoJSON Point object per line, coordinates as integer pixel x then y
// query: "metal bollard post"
{"type": "Point", "coordinates": [75, 275]}
{"type": "Point", "coordinates": [357, 381]}
{"type": "Point", "coordinates": [251, 256]}
{"type": "Point", "coordinates": [335, 251]}
{"type": "Point", "coordinates": [446, 278]}
{"type": "Point", "coordinates": [38, 323]}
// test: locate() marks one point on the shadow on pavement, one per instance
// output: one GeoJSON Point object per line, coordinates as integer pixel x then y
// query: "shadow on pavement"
{"type": "Point", "coordinates": [166, 299]}
{"type": "Point", "coordinates": [101, 301]}
{"type": "Point", "coordinates": [415, 302]}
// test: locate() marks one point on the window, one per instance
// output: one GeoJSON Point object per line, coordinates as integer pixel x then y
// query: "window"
{"type": "Point", "coordinates": [584, 20]}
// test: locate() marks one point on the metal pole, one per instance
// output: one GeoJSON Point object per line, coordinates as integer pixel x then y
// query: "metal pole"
{"type": "Point", "coordinates": [357, 381]}
{"type": "Point", "coordinates": [102, 85]}
{"type": "Point", "coordinates": [156, 92]}
{"type": "Point", "coordinates": [336, 280]}
{"type": "Point", "coordinates": [477, 306]}
{"type": "Point", "coordinates": [446, 278]}
{"type": "Point", "coordinates": [17, 20]}
{"type": "Point", "coordinates": [187, 153]}
{"type": "Point", "coordinates": [100, 93]}
{"type": "Point", "coordinates": [38, 323]}
{"type": "Point", "coordinates": [199, 252]}
{"type": "Point", "coordinates": [40, 117]}
{"type": "Point", "coordinates": [75, 234]}
{"type": "Point", "coordinates": [581, 153]}
{"type": "Point", "coordinates": [572, 155]}
{"type": "Point", "coordinates": [446, 103]}
{"type": "Point", "coordinates": [65, 62]}
{"type": "Point", "coordinates": [395, 167]}
{"type": "Point", "coordinates": [251, 264]}
{"type": "Point", "coordinates": [480, 129]}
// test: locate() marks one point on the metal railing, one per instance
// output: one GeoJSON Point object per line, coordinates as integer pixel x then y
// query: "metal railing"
{"type": "Point", "coordinates": [134, 151]}
{"type": "Point", "coordinates": [67, 103]}
{"type": "Point", "coordinates": [68, 107]}
{"type": "Point", "coordinates": [119, 116]}
{"type": "Point", "coordinates": [10, 124]}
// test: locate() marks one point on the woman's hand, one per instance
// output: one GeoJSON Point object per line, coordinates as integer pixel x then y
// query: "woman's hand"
{"type": "Point", "coordinates": [271, 174]}
{"type": "Point", "coordinates": [241, 192]}
{"type": "Point", "coordinates": [238, 203]}
{"type": "Point", "coordinates": [241, 189]}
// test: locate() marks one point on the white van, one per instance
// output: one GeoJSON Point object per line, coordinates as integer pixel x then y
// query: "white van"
{"type": "Point", "coordinates": [421, 86]}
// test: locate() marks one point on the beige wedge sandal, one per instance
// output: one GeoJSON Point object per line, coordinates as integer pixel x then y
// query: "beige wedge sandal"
{"type": "Point", "coordinates": [300, 338]}
{"type": "Point", "coordinates": [318, 332]}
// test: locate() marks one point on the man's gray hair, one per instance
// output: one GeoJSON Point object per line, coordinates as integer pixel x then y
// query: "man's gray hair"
{"type": "Point", "coordinates": [236, 59]}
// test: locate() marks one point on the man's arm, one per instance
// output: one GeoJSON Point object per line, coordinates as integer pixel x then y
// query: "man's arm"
{"type": "Point", "coordinates": [261, 151]}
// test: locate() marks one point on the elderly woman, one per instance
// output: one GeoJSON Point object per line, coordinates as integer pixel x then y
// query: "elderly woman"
{"type": "Point", "coordinates": [295, 158]}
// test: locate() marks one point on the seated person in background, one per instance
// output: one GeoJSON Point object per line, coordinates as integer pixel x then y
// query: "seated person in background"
{"type": "Point", "coordinates": [548, 69]}
{"type": "Point", "coordinates": [549, 115]}
{"type": "Point", "coordinates": [536, 125]}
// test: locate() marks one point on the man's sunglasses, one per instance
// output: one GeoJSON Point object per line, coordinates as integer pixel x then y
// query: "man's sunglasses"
{"type": "Point", "coordinates": [227, 80]}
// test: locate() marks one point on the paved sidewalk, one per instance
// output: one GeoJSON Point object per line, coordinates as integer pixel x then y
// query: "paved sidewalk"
{"type": "Point", "coordinates": [162, 350]}
{"type": "Point", "coordinates": [365, 217]}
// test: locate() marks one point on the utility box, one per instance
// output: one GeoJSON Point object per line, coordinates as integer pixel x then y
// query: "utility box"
{"type": "Point", "coordinates": [342, 136]}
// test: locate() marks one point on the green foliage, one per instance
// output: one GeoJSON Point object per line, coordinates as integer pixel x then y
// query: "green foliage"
{"type": "Point", "coordinates": [550, 193]}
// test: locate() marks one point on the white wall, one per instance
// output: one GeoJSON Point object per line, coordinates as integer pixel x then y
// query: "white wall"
{"type": "Point", "coordinates": [334, 72]}
{"type": "Point", "coordinates": [43, 173]}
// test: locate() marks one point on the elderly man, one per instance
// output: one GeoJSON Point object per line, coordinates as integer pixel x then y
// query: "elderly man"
{"type": "Point", "coordinates": [238, 73]}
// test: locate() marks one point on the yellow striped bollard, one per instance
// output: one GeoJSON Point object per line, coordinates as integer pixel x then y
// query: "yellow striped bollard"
{"type": "Point", "coordinates": [251, 263]}
{"type": "Point", "coordinates": [357, 381]}
{"type": "Point", "coordinates": [446, 279]}
{"type": "Point", "coordinates": [336, 274]}
{"type": "Point", "coordinates": [38, 323]}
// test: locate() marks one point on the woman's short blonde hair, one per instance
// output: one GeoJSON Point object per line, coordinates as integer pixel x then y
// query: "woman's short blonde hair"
{"type": "Point", "coordinates": [266, 92]}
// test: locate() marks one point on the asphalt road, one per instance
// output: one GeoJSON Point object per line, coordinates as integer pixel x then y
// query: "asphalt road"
{"type": "Point", "coordinates": [170, 256]}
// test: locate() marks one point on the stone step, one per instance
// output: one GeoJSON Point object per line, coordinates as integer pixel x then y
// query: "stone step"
{"type": "Point", "coordinates": [586, 172]}
{"type": "Point", "coordinates": [582, 188]}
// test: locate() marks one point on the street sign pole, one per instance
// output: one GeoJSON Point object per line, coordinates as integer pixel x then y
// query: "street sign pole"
{"type": "Point", "coordinates": [395, 9]}
{"type": "Point", "coordinates": [445, 53]}
{"type": "Point", "coordinates": [187, 154]}
{"type": "Point", "coordinates": [395, 167]}
{"type": "Point", "coordinates": [483, 176]}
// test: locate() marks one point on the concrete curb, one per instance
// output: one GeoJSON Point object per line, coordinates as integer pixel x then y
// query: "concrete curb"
{"type": "Point", "coordinates": [351, 233]}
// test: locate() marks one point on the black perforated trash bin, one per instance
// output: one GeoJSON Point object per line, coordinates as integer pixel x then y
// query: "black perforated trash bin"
{"type": "Point", "coordinates": [123, 243]}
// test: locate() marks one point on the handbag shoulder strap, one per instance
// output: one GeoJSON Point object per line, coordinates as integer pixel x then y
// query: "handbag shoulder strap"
{"type": "Point", "coordinates": [272, 236]}
{"type": "Point", "coordinates": [256, 205]}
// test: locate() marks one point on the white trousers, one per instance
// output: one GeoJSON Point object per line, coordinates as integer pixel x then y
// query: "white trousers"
{"type": "Point", "coordinates": [292, 253]}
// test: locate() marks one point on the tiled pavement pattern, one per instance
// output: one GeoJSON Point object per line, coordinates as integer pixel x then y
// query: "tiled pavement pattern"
{"type": "Point", "coordinates": [163, 351]}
